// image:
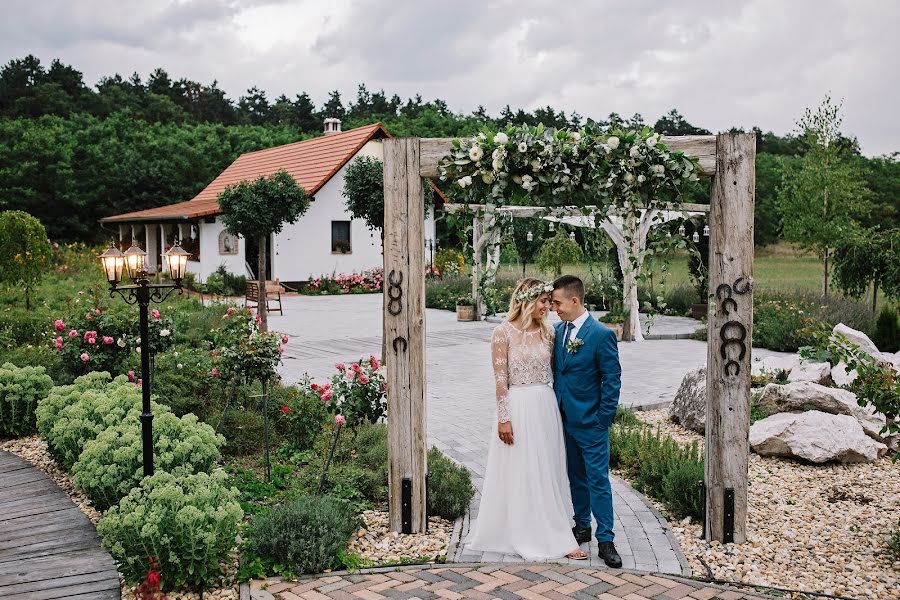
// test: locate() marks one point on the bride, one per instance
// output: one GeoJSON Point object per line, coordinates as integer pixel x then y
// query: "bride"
{"type": "Point", "coordinates": [526, 504]}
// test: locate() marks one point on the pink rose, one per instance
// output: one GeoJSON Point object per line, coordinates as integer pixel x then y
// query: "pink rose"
{"type": "Point", "coordinates": [355, 367]}
{"type": "Point", "coordinates": [73, 334]}
{"type": "Point", "coordinates": [340, 366]}
{"type": "Point", "coordinates": [281, 349]}
{"type": "Point", "coordinates": [327, 386]}
{"type": "Point", "coordinates": [85, 357]}
{"type": "Point", "coordinates": [340, 420]}
{"type": "Point", "coordinates": [130, 375]}
{"type": "Point", "coordinates": [350, 375]}
{"type": "Point", "coordinates": [59, 325]}
{"type": "Point", "coordinates": [363, 379]}
{"type": "Point", "coordinates": [58, 342]}
{"type": "Point", "coordinates": [327, 396]}
{"type": "Point", "coordinates": [96, 311]}
{"type": "Point", "coordinates": [91, 340]}
{"type": "Point", "coordinates": [258, 319]}
{"type": "Point", "coordinates": [215, 372]}
{"type": "Point", "coordinates": [139, 382]}
{"type": "Point", "coordinates": [88, 317]}
{"type": "Point", "coordinates": [374, 361]}
{"type": "Point", "coordinates": [107, 339]}
{"type": "Point", "coordinates": [155, 314]}
{"type": "Point", "coordinates": [284, 339]}
{"type": "Point", "coordinates": [231, 310]}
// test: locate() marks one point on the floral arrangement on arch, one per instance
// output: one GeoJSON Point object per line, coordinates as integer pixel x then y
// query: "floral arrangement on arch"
{"type": "Point", "coordinates": [357, 393]}
{"type": "Point", "coordinates": [543, 166]}
{"type": "Point", "coordinates": [243, 351]}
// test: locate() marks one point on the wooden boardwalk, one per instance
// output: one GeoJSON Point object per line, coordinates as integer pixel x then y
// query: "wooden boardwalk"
{"type": "Point", "coordinates": [48, 547]}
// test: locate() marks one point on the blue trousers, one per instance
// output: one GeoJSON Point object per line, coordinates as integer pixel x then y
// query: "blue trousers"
{"type": "Point", "coordinates": [587, 458]}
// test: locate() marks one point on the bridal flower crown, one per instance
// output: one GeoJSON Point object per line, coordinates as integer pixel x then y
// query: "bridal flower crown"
{"type": "Point", "coordinates": [533, 292]}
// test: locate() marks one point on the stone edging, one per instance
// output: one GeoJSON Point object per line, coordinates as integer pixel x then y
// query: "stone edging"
{"type": "Point", "coordinates": [667, 527]}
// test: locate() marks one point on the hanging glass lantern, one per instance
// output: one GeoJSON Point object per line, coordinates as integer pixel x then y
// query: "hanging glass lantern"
{"type": "Point", "coordinates": [572, 235]}
{"type": "Point", "coordinates": [695, 237]}
{"type": "Point", "coordinates": [552, 227]}
{"type": "Point", "coordinates": [681, 229]}
{"type": "Point", "coordinates": [530, 237]}
{"type": "Point", "coordinates": [706, 231]}
{"type": "Point", "coordinates": [668, 234]}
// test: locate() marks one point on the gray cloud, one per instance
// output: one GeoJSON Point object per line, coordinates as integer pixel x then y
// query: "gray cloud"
{"type": "Point", "coordinates": [722, 64]}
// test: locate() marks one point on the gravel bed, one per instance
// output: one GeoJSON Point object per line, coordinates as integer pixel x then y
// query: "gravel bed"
{"type": "Point", "coordinates": [818, 528]}
{"type": "Point", "coordinates": [377, 544]}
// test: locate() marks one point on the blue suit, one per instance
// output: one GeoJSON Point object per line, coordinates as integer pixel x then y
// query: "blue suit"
{"type": "Point", "coordinates": [587, 385]}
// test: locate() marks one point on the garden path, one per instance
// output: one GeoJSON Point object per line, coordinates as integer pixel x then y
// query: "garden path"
{"type": "Point", "coordinates": [328, 329]}
{"type": "Point", "coordinates": [48, 547]}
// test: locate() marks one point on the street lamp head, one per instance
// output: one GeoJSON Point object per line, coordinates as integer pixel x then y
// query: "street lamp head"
{"type": "Point", "coordinates": [113, 260]}
{"type": "Point", "coordinates": [176, 260]}
{"type": "Point", "coordinates": [134, 262]}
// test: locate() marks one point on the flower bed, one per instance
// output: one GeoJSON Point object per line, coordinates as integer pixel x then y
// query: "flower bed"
{"type": "Point", "coordinates": [367, 282]}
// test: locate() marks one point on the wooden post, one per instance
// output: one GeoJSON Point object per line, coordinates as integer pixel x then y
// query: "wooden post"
{"type": "Point", "coordinates": [477, 246]}
{"type": "Point", "coordinates": [730, 336]}
{"type": "Point", "coordinates": [404, 334]}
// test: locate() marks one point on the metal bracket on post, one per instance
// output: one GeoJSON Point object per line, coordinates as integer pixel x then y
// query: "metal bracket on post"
{"type": "Point", "coordinates": [427, 491]}
{"type": "Point", "coordinates": [406, 505]}
{"type": "Point", "coordinates": [702, 486]}
{"type": "Point", "coordinates": [728, 517]}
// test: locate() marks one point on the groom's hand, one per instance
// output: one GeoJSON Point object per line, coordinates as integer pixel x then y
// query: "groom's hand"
{"type": "Point", "coordinates": [504, 430]}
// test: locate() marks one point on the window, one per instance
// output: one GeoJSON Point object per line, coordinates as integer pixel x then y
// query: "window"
{"type": "Point", "coordinates": [340, 237]}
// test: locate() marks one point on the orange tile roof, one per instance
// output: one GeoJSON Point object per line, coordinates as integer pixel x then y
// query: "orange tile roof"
{"type": "Point", "coordinates": [310, 162]}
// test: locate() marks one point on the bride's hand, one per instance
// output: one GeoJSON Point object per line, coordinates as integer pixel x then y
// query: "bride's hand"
{"type": "Point", "coordinates": [505, 432]}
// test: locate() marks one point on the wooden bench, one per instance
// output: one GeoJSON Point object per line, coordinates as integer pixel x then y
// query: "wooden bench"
{"type": "Point", "coordinates": [273, 295]}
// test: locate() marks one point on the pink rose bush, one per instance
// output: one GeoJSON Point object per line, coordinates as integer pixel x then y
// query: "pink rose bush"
{"type": "Point", "coordinates": [244, 352]}
{"type": "Point", "coordinates": [88, 340]}
{"type": "Point", "coordinates": [356, 393]}
{"type": "Point", "coordinates": [367, 282]}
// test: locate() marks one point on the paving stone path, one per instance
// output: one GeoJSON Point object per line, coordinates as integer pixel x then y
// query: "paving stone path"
{"type": "Point", "coordinates": [495, 582]}
{"type": "Point", "coordinates": [460, 388]}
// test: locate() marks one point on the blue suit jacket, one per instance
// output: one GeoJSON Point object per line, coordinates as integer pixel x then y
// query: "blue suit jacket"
{"type": "Point", "coordinates": [587, 382]}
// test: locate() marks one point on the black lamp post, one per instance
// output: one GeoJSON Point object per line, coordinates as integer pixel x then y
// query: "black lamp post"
{"type": "Point", "coordinates": [142, 293]}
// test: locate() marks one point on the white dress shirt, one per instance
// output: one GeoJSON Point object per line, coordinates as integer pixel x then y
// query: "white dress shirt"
{"type": "Point", "coordinates": [577, 323]}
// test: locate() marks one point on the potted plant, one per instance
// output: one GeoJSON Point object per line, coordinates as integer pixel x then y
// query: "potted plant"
{"type": "Point", "coordinates": [342, 247]}
{"type": "Point", "coordinates": [465, 308]}
{"type": "Point", "coordinates": [615, 320]}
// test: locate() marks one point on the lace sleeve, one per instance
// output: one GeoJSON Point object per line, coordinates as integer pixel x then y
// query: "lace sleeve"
{"type": "Point", "coordinates": [500, 360]}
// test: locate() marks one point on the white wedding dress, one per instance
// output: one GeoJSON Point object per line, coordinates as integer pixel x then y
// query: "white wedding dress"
{"type": "Point", "coordinates": [526, 504]}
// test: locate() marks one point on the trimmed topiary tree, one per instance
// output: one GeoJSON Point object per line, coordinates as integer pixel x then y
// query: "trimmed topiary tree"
{"type": "Point", "coordinates": [188, 523]}
{"type": "Point", "coordinates": [20, 391]}
{"type": "Point", "coordinates": [257, 210]}
{"type": "Point", "coordinates": [24, 251]}
{"type": "Point", "coordinates": [558, 251]}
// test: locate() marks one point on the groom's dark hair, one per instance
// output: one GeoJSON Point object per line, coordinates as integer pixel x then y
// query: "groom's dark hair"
{"type": "Point", "coordinates": [571, 285]}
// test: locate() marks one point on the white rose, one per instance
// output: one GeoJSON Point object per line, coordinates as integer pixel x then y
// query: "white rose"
{"type": "Point", "coordinates": [659, 169]}
{"type": "Point", "coordinates": [613, 143]}
{"type": "Point", "coordinates": [464, 181]}
{"type": "Point", "coordinates": [641, 179]}
{"type": "Point", "coordinates": [574, 136]}
{"type": "Point", "coordinates": [164, 332]}
{"type": "Point", "coordinates": [517, 179]}
{"type": "Point", "coordinates": [487, 177]}
{"type": "Point", "coordinates": [175, 354]}
{"type": "Point", "coordinates": [523, 147]}
{"type": "Point", "coordinates": [501, 138]}
{"type": "Point", "coordinates": [535, 165]}
{"type": "Point", "coordinates": [652, 141]}
{"type": "Point", "coordinates": [475, 153]}
{"type": "Point", "coordinates": [121, 343]}
{"type": "Point", "coordinates": [629, 178]}
{"type": "Point", "coordinates": [635, 151]}
{"type": "Point", "coordinates": [178, 365]}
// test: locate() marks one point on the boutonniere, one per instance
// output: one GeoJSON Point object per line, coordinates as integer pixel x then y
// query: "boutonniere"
{"type": "Point", "coordinates": [573, 345]}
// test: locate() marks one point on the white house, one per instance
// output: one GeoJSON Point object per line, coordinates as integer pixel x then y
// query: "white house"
{"type": "Point", "coordinates": [323, 241]}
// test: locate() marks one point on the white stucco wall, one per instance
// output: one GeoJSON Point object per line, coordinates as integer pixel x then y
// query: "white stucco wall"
{"type": "Point", "coordinates": [303, 249]}
{"type": "Point", "coordinates": [210, 259]}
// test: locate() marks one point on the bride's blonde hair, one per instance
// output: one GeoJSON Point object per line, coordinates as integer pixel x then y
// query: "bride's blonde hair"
{"type": "Point", "coordinates": [522, 301]}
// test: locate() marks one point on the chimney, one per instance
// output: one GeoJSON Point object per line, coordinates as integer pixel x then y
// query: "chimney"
{"type": "Point", "coordinates": [332, 125]}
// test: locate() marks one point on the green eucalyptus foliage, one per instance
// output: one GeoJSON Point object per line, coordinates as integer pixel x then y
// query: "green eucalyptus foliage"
{"type": "Point", "coordinates": [188, 523]}
{"type": "Point", "coordinates": [20, 391]}
{"type": "Point", "coordinates": [112, 463]}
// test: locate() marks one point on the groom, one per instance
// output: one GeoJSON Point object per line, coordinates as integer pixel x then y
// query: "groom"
{"type": "Point", "coordinates": [587, 380]}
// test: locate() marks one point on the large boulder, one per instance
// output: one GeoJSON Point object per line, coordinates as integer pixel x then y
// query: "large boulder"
{"type": "Point", "coordinates": [689, 407]}
{"type": "Point", "coordinates": [814, 436]}
{"type": "Point", "coordinates": [840, 376]}
{"type": "Point", "coordinates": [857, 337]}
{"type": "Point", "coordinates": [775, 366]}
{"type": "Point", "coordinates": [818, 372]}
{"type": "Point", "coordinates": [804, 395]}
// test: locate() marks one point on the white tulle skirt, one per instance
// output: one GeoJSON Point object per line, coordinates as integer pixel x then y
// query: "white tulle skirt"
{"type": "Point", "coordinates": [526, 505]}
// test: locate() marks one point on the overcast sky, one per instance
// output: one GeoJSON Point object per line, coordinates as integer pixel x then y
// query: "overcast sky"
{"type": "Point", "coordinates": [721, 63]}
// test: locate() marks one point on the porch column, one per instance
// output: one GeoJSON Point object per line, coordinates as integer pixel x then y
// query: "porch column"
{"type": "Point", "coordinates": [151, 249]}
{"type": "Point", "coordinates": [162, 240]}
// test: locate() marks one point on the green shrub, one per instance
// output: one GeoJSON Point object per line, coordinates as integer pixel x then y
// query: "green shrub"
{"type": "Point", "coordinates": [450, 262]}
{"type": "Point", "coordinates": [111, 464]}
{"type": "Point", "coordinates": [450, 488]}
{"type": "Point", "coordinates": [442, 293]}
{"type": "Point", "coordinates": [19, 327]}
{"type": "Point", "coordinates": [887, 330]}
{"type": "Point", "coordinates": [89, 413]}
{"type": "Point", "coordinates": [39, 355]}
{"type": "Point", "coordinates": [306, 535]}
{"type": "Point", "coordinates": [48, 409]}
{"type": "Point", "coordinates": [182, 380]}
{"type": "Point", "coordinates": [680, 299]}
{"type": "Point", "coordinates": [658, 466]}
{"type": "Point", "coordinates": [301, 413]}
{"type": "Point", "coordinates": [243, 432]}
{"type": "Point", "coordinates": [188, 523]}
{"type": "Point", "coordinates": [558, 251]}
{"type": "Point", "coordinates": [21, 388]}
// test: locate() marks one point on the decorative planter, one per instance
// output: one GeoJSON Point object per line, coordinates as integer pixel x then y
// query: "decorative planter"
{"type": "Point", "coordinates": [465, 312]}
{"type": "Point", "coordinates": [699, 311]}
{"type": "Point", "coordinates": [618, 328]}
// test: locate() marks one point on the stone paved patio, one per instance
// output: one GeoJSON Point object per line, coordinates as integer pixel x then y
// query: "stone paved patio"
{"type": "Point", "coordinates": [460, 389]}
{"type": "Point", "coordinates": [494, 582]}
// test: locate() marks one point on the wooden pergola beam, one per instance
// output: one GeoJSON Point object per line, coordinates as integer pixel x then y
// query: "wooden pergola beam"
{"type": "Point", "coordinates": [702, 147]}
{"type": "Point", "coordinates": [559, 211]}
